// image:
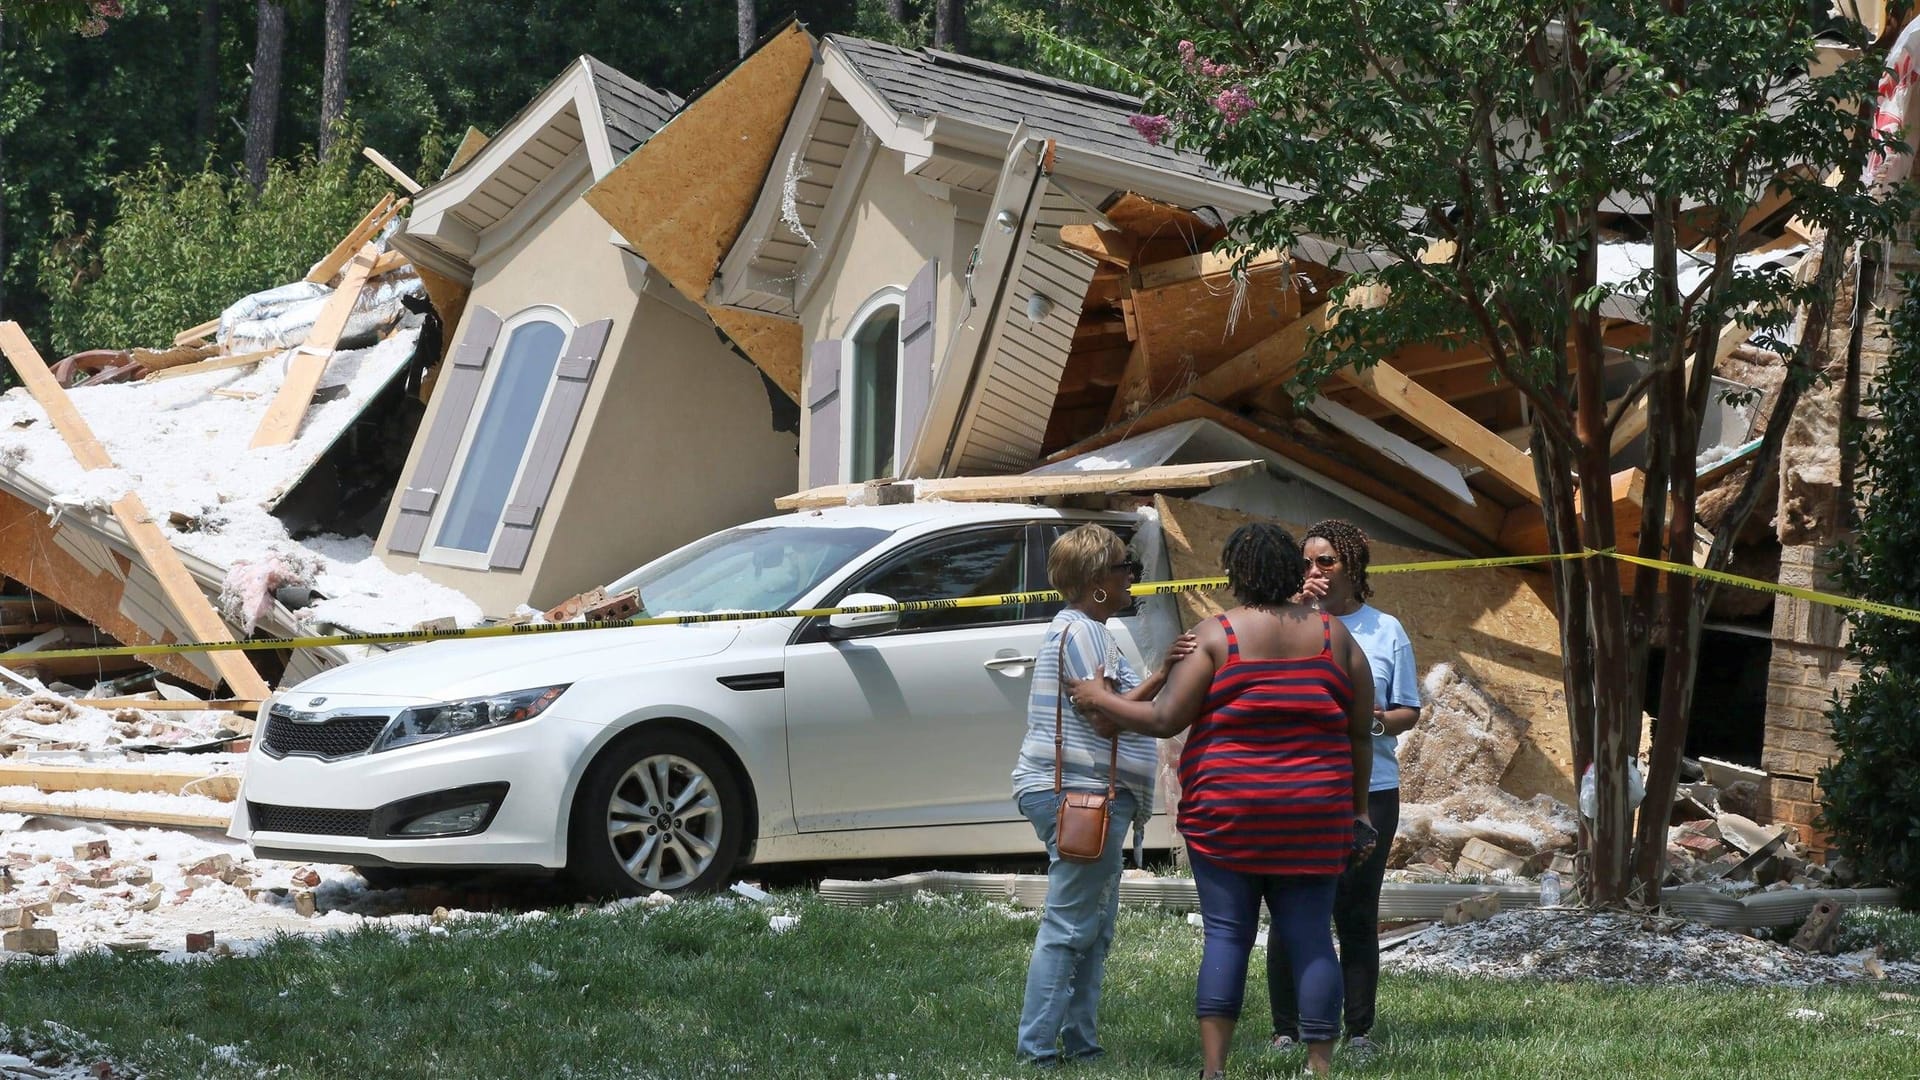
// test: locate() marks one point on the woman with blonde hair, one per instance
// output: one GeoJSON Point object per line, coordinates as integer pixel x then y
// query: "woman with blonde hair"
{"type": "Point", "coordinates": [1093, 571]}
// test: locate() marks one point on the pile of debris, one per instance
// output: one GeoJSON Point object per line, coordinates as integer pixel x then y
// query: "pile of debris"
{"type": "Point", "coordinates": [1562, 945]}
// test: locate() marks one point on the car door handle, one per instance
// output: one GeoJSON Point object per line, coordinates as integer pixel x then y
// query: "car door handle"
{"type": "Point", "coordinates": [1000, 662]}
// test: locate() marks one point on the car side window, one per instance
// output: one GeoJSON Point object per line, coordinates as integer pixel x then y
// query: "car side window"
{"type": "Point", "coordinates": [979, 562]}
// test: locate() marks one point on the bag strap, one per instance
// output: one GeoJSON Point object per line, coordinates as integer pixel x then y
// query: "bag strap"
{"type": "Point", "coordinates": [1059, 723]}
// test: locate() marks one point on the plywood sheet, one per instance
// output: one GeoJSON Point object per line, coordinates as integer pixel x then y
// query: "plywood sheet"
{"type": "Point", "coordinates": [681, 199]}
{"type": "Point", "coordinates": [1491, 626]}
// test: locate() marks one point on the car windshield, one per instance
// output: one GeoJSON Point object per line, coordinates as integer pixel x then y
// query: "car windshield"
{"type": "Point", "coordinates": [745, 569]}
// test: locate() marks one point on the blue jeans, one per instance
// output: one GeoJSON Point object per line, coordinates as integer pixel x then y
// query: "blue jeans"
{"type": "Point", "coordinates": [1070, 950]}
{"type": "Point", "coordinates": [1302, 913]}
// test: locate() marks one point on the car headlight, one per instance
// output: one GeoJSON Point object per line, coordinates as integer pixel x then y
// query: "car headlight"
{"type": "Point", "coordinates": [424, 723]}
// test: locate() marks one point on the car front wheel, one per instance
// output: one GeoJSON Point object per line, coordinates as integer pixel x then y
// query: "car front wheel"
{"type": "Point", "coordinates": [660, 812]}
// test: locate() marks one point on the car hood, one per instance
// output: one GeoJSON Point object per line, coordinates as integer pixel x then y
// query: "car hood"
{"type": "Point", "coordinates": [448, 670]}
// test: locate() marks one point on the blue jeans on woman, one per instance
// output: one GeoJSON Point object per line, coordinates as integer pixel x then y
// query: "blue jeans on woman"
{"type": "Point", "coordinates": [1301, 909]}
{"type": "Point", "coordinates": [1070, 950]}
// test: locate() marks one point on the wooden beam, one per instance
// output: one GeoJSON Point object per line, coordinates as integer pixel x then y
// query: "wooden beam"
{"type": "Point", "coordinates": [42, 807]}
{"type": "Point", "coordinates": [1160, 275]}
{"type": "Point", "coordinates": [195, 333]}
{"type": "Point", "coordinates": [1106, 245]}
{"type": "Point", "coordinates": [182, 592]}
{"type": "Point", "coordinates": [1432, 414]}
{"type": "Point", "coordinates": [49, 778]}
{"type": "Point", "coordinates": [1525, 532]}
{"type": "Point", "coordinates": [399, 175]}
{"type": "Point", "coordinates": [1269, 361]}
{"type": "Point", "coordinates": [996, 488]}
{"type": "Point", "coordinates": [282, 420]}
{"type": "Point", "coordinates": [218, 363]}
{"type": "Point", "coordinates": [356, 238]}
{"type": "Point", "coordinates": [233, 705]}
{"type": "Point", "coordinates": [388, 262]}
{"type": "Point", "coordinates": [471, 143]}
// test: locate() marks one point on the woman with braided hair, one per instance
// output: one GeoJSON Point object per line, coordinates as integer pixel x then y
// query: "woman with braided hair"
{"type": "Point", "coordinates": [1336, 578]}
{"type": "Point", "coordinates": [1273, 781]}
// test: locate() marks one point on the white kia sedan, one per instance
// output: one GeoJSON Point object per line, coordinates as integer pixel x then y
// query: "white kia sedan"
{"type": "Point", "coordinates": [665, 757]}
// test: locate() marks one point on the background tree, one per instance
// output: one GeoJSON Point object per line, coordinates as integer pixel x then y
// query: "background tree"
{"type": "Point", "coordinates": [1870, 800]}
{"type": "Point", "coordinates": [263, 99]}
{"type": "Point", "coordinates": [1479, 148]}
{"type": "Point", "coordinates": [333, 77]}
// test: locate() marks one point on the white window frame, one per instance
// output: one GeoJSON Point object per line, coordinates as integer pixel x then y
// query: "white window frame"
{"type": "Point", "coordinates": [896, 298]}
{"type": "Point", "coordinates": [431, 551]}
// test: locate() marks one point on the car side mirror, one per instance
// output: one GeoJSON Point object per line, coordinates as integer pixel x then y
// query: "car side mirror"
{"type": "Point", "coordinates": [862, 624]}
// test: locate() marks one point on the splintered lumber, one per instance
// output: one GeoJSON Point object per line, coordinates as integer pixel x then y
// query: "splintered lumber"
{"type": "Point", "coordinates": [116, 816]}
{"type": "Point", "coordinates": [218, 363]}
{"type": "Point", "coordinates": [1434, 415]}
{"type": "Point", "coordinates": [195, 333]}
{"type": "Point", "coordinates": [999, 488]}
{"type": "Point", "coordinates": [1106, 245]}
{"type": "Point", "coordinates": [471, 143]}
{"type": "Point", "coordinates": [1206, 264]}
{"type": "Point", "coordinates": [233, 705]}
{"type": "Point", "coordinates": [1272, 359]}
{"type": "Point", "coordinates": [388, 262]}
{"type": "Point", "coordinates": [182, 593]}
{"type": "Point", "coordinates": [49, 779]}
{"type": "Point", "coordinates": [356, 238]}
{"type": "Point", "coordinates": [398, 174]}
{"type": "Point", "coordinates": [282, 421]}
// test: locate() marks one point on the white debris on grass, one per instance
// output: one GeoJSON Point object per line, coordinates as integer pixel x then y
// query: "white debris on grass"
{"type": "Point", "coordinates": [1562, 945]}
{"type": "Point", "coordinates": [47, 719]}
{"type": "Point", "coordinates": [184, 450]}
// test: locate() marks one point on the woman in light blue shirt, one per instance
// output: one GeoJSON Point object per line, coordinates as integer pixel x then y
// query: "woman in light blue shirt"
{"type": "Point", "coordinates": [1337, 554]}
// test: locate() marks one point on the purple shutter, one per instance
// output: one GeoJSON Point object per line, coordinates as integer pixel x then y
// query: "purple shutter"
{"type": "Point", "coordinates": [916, 360]}
{"type": "Point", "coordinates": [823, 411]}
{"type": "Point", "coordinates": [571, 379]}
{"type": "Point", "coordinates": [459, 385]}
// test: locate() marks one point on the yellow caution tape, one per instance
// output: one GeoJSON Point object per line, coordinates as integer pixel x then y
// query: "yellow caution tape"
{"type": "Point", "coordinates": [1038, 596]}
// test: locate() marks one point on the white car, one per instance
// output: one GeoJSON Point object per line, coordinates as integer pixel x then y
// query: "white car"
{"type": "Point", "coordinates": [664, 757]}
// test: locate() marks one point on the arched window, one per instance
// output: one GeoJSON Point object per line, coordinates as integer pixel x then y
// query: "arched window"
{"type": "Point", "coordinates": [873, 373]}
{"type": "Point", "coordinates": [495, 448]}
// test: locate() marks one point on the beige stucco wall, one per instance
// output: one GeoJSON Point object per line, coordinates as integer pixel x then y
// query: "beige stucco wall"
{"type": "Point", "coordinates": [688, 447]}
{"type": "Point", "coordinates": [895, 227]}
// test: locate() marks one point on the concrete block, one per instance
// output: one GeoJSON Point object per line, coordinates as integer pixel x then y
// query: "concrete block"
{"type": "Point", "coordinates": [1472, 909]}
{"type": "Point", "coordinates": [34, 941]}
{"type": "Point", "coordinates": [199, 941]}
{"type": "Point", "coordinates": [92, 849]}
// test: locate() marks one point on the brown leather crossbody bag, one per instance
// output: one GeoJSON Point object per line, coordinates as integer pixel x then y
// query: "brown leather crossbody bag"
{"type": "Point", "coordinates": [1080, 832]}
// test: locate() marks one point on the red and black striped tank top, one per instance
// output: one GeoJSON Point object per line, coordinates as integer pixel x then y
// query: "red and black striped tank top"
{"type": "Point", "coordinates": [1266, 779]}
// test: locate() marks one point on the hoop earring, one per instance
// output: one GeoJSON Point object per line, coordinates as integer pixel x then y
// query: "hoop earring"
{"type": "Point", "coordinates": [1099, 596]}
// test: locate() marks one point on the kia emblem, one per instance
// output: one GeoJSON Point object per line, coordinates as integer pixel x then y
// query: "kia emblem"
{"type": "Point", "coordinates": [314, 703]}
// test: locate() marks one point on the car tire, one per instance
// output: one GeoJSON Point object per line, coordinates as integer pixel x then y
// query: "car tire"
{"type": "Point", "coordinates": [625, 837]}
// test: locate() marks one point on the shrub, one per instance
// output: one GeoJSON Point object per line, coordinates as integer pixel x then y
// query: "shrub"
{"type": "Point", "coordinates": [1871, 802]}
{"type": "Point", "coordinates": [182, 247]}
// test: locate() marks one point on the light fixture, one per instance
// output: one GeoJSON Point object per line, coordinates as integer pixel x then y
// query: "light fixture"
{"type": "Point", "coordinates": [1006, 220]}
{"type": "Point", "coordinates": [1038, 307]}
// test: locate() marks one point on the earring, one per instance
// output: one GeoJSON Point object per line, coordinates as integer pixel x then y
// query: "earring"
{"type": "Point", "coordinates": [1099, 596]}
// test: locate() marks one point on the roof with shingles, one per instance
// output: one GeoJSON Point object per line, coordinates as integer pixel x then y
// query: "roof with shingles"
{"type": "Point", "coordinates": [632, 111]}
{"type": "Point", "coordinates": [928, 82]}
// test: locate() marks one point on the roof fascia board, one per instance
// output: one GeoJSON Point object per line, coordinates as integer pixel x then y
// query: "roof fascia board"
{"type": "Point", "coordinates": [425, 252]}
{"type": "Point", "coordinates": [1070, 161]}
{"type": "Point", "coordinates": [834, 216]}
{"type": "Point", "coordinates": [434, 204]}
{"type": "Point", "coordinates": [587, 103]}
{"type": "Point", "coordinates": [896, 132]}
{"type": "Point", "coordinates": [729, 283]}
{"type": "Point", "coordinates": [448, 236]}
{"type": "Point", "coordinates": [568, 179]}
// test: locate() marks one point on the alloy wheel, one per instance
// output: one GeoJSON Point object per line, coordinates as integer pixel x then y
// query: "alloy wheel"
{"type": "Point", "coordinates": [664, 821]}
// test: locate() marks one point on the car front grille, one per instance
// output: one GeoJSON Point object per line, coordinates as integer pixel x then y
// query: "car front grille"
{"type": "Point", "coordinates": [310, 820]}
{"type": "Point", "coordinates": [329, 739]}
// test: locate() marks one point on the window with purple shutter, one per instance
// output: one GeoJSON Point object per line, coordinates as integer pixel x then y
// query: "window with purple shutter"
{"type": "Point", "coordinates": [916, 358]}
{"type": "Point", "coordinates": [823, 415]}
{"type": "Point", "coordinates": [458, 388]}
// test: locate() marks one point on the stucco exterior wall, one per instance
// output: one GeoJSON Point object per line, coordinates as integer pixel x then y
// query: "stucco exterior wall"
{"type": "Point", "coordinates": [895, 227]}
{"type": "Point", "coordinates": [657, 362]}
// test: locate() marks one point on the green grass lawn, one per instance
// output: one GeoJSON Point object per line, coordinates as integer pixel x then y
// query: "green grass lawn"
{"type": "Point", "coordinates": [917, 989]}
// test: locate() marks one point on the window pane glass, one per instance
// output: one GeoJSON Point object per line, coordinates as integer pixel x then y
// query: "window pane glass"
{"type": "Point", "coordinates": [506, 425]}
{"type": "Point", "coordinates": [876, 374]}
{"type": "Point", "coordinates": [980, 563]}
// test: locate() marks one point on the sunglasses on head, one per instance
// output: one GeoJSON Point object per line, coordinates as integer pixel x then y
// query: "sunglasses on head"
{"type": "Point", "coordinates": [1324, 562]}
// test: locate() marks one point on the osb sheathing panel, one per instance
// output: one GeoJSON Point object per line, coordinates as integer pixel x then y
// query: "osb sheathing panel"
{"type": "Point", "coordinates": [1492, 625]}
{"type": "Point", "coordinates": [681, 199]}
{"type": "Point", "coordinates": [30, 555]}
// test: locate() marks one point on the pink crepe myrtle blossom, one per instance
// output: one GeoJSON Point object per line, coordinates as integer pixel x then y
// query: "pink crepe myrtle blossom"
{"type": "Point", "coordinates": [1154, 129]}
{"type": "Point", "coordinates": [1195, 64]}
{"type": "Point", "coordinates": [1234, 103]}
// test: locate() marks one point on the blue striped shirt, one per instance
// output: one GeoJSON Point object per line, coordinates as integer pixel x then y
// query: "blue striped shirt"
{"type": "Point", "coordinates": [1084, 757]}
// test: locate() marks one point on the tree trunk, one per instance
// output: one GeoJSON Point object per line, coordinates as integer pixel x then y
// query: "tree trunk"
{"type": "Point", "coordinates": [263, 100]}
{"type": "Point", "coordinates": [333, 72]}
{"type": "Point", "coordinates": [949, 24]}
{"type": "Point", "coordinates": [749, 25]}
{"type": "Point", "coordinates": [3, 179]}
{"type": "Point", "coordinates": [897, 11]}
{"type": "Point", "coordinates": [207, 75]}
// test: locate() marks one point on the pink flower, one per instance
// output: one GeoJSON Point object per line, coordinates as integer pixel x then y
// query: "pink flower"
{"type": "Point", "coordinates": [1195, 64]}
{"type": "Point", "coordinates": [1154, 129]}
{"type": "Point", "coordinates": [1234, 103]}
{"type": "Point", "coordinates": [108, 9]}
{"type": "Point", "coordinates": [1189, 56]}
